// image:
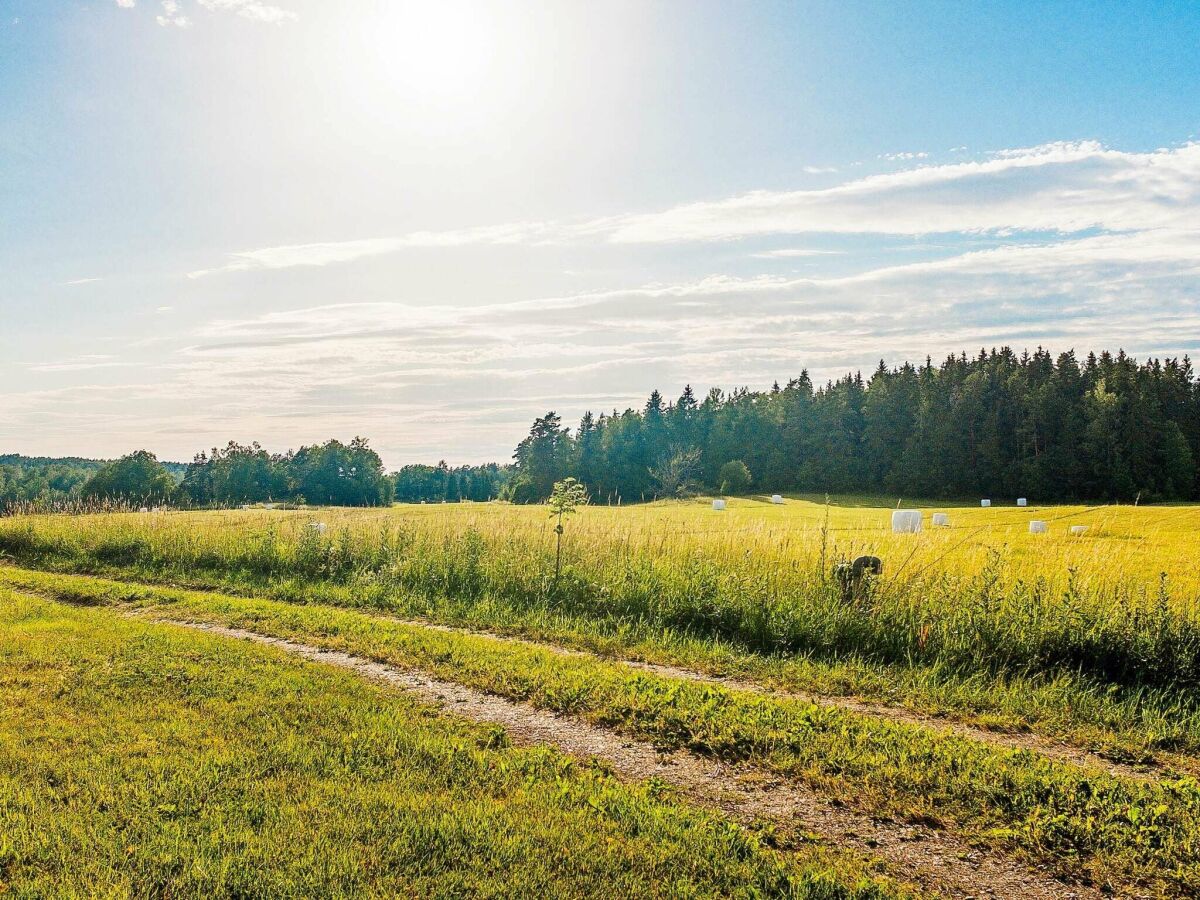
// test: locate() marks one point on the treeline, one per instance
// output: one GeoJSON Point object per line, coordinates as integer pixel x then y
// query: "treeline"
{"type": "Point", "coordinates": [26, 479]}
{"type": "Point", "coordinates": [999, 424]}
{"type": "Point", "coordinates": [442, 484]}
{"type": "Point", "coordinates": [332, 473]}
{"type": "Point", "coordinates": [329, 474]}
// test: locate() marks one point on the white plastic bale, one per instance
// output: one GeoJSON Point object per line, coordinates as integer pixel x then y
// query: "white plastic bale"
{"type": "Point", "coordinates": [1037, 526]}
{"type": "Point", "coordinates": [906, 521]}
{"type": "Point", "coordinates": [1021, 501]}
{"type": "Point", "coordinates": [1079, 529]}
{"type": "Point", "coordinates": [718, 504]}
{"type": "Point", "coordinates": [941, 520]}
{"type": "Point", "coordinates": [776, 498]}
{"type": "Point", "coordinates": [985, 503]}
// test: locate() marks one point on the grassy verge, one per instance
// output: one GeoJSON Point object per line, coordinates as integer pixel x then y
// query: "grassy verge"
{"type": "Point", "coordinates": [1078, 822]}
{"type": "Point", "coordinates": [1126, 723]}
{"type": "Point", "coordinates": [139, 760]}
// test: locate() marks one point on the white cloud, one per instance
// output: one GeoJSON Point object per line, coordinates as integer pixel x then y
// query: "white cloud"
{"type": "Point", "coordinates": [174, 15]}
{"type": "Point", "coordinates": [794, 253]}
{"type": "Point", "coordinates": [81, 281]}
{"type": "Point", "coordinates": [1060, 189]}
{"type": "Point", "coordinates": [1064, 187]}
{"type": "Point", "coordinates": [250, 9]}
{"type": "Point", "coordinates": [327, 252]}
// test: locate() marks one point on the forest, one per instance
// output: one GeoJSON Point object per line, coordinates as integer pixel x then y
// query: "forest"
{"type": "Point", "coordinates": [998, 424]}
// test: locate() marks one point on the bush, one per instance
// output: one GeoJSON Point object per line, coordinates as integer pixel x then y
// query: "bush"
{"type": "Point", "coordinates": [734, 477]}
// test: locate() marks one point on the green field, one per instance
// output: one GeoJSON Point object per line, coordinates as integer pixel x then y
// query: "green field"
{"type": "Point", "coordinates": [1091, 642]}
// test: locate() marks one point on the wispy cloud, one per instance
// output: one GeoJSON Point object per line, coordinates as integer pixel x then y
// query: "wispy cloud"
{"type": "Point", "coordinates": [328, 252]}
{"type": "Point", "coordinates": [794, 253]}
{"type": "Point", "coordinates": [1063, 187]}
{"type": "Point", "coordinates": [81, 281]}
{"type": "Point", "coordinates": [1054, 189]}
{"type": "Point", "coordinates": [80, 363]}
{"type": "Point", "coordinates": [251, 9]}
{"type": "Point", "coordinates": [174, 15]}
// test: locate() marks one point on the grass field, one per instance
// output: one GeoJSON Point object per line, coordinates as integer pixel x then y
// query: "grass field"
{"type": "Point", "coordinates": [1093, 640]}
{"type": "Point", "coordinates": [141, 761]}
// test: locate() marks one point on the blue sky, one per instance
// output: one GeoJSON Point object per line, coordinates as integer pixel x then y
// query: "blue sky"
{"type": "Point", "coordinates": [286, 220]}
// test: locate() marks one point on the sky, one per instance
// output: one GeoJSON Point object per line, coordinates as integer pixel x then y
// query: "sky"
{"type": "Point", "coordinates": [428, 223]}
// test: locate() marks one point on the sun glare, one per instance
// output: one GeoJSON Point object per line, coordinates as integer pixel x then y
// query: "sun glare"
{"type": "Point", "coordinates": [438, 52]}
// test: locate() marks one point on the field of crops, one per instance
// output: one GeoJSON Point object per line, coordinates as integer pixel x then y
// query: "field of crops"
{"type": "Point", "coordinates": [1033, 695]}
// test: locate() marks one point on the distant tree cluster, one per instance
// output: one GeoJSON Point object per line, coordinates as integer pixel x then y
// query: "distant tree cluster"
{"type": "Point", "coordinates": [138, 477]}
{"type": "Point", "coordinates": [31, 479]}
{"type": "Point", "coordinates": [329, 474]}
{"type": "Point", "coordinates": [440, 483]}
{"type": "Point", "coordinates": [999, 424]}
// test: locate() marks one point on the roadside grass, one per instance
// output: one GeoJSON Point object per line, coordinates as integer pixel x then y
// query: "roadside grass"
{"type": "Point", "coordinates": [1126, 723]}
{"type": "Point", "coordinates": [143, 760]}
{"type": "Point", "coordinates": [1076, 821]}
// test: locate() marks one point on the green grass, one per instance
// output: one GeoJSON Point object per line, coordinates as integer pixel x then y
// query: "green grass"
{"type": "Point", "coordinates": [148, 761]}
{"type": "Point", "coordinates": [1074, 820]}
{"type": "Point", "coordinates": [1130, 723]}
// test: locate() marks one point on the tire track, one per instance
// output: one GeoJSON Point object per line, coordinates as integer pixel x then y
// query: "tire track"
{"type": "Point", "coordinates": [1035, 743]}
{"type": "Point", "coordinates": [934, 860]}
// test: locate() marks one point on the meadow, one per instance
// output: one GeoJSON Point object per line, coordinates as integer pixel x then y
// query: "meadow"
{"type": "Point", "coordinates": [1092, 640]}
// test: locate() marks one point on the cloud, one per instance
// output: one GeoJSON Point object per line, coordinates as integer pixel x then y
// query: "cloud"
{"type": "Point", "coordinates": [328, 252]}
{"type": "Point", "coordinates": [1051, 190]}
{"type": "Point", "coordinates": [80, 363]}
{"type": "Point", "coordinates": [81, 281]}
{"type": "Point", "coordinates": [793, 253]}
{"type": "Point", "coordinates": [174, 15]}
{"type": "Point", "coordinates": [1061, 187]}
{"type": "Point", "coordinates": [250, 9]}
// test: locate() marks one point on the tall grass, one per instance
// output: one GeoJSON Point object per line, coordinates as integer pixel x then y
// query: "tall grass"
{"type": "Point", "coordinates": [985, 597]}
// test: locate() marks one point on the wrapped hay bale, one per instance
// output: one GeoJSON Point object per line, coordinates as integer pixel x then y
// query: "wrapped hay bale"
{"type": "Point", "coordinates": [1079, 529]}
{"type": "Point", "coordinates": [1021, 501]}
{"type": "Point", "coordinates": [718, 504]}
{"type": "Point", "coordinates": [941, 520]}
{"type": "Point", "coordinates": [1037, 526]}
{"type": "Point", "coordinates": [985, 503]}
{"type": "Point", "coordinates": [906, 521]}
{"type": "Point", "coordinates": [776, 498]}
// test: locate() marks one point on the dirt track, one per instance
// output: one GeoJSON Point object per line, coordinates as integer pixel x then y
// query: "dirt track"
{"type": "Point", "coordinates": [932, 859]}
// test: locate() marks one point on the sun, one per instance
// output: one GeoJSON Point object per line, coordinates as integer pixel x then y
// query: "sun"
{"type": "Point", "coordinates": [438, 52]}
